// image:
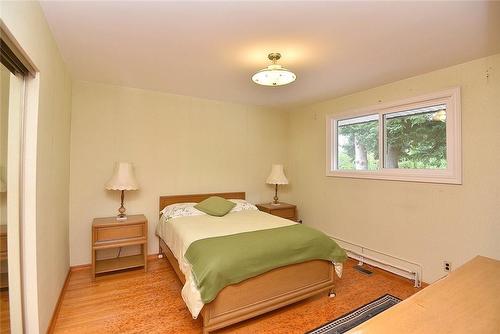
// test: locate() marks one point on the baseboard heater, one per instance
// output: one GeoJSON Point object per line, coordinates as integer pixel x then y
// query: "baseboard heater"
{"type": "Point", "coordinates": [362, 257]}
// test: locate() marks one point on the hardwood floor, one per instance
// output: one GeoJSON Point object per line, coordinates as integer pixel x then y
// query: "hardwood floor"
{"type": "Point", "coordinates": [4, 311]}
{"type": "Point", "coordinates": [138, 302]}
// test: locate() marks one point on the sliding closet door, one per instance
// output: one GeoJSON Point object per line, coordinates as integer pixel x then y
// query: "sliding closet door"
{"type": "Point", "coordinates": [11, 115]}
{"type": "Point", "coordinates": [17, 75]}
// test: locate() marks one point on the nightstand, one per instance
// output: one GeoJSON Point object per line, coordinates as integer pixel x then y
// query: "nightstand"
{"type": "Point", "coordinates": [284, 210]}
{"type": "Point", "coordinates": [111, 233]}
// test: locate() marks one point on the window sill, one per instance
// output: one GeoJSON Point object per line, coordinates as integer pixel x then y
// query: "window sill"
{"type": "Point", "coordinates": [425, 176]}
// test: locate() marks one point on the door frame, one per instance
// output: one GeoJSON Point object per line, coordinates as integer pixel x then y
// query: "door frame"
{"type": "Point", "coordinates": [25, 308]}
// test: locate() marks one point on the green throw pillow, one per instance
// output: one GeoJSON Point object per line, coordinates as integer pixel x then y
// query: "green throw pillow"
{"type": "Point", "coordinates": [215, 206]}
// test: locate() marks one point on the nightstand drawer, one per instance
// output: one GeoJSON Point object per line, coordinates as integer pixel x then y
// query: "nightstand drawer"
{"type": "Point", "coordinates": [119, 232]}
{"type": "Point", "coordinates": [285, 213]}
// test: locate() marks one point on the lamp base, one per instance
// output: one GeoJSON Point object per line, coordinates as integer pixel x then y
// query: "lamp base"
{"type": "Point", "coordinates": [275, 199]}
{"type": "Point", "coordinates": [121, 215]}
{"type": "Point", "coordinates": [275, 204]}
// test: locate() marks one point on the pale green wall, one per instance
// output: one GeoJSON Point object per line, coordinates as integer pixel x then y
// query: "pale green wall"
{"type": "Point", "coordinates": [27, 23]}
{"type": "Point", "coordinates": [421, 222]}
{"type": "Point", "coordinates": [178, 145]}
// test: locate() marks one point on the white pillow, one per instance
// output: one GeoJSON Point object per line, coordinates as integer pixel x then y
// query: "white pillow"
{"type": "Point", "coordinates": [180, 210]}
{"type": "Point", "coordinates": [241, 205]}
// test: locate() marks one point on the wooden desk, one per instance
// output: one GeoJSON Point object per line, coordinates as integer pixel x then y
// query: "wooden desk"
{"type": "Point", "coordinates": [466, 301]}
{"type": "Point", "coordinates": [111, 233]}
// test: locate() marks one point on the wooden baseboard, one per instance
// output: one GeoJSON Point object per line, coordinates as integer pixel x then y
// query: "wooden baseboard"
{"type": "Point", "coordinates": [80, 267]}
{"type": "Point", "coordinates": [53, 320]}
{"type": "Point", "coordinates": [89, 265]}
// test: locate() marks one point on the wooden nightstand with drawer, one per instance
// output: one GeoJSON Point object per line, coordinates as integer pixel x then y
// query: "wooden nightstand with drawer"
{"type": "Point", "coordinates": [283, 210]}
{"type": "Point", "coordinates": [111, 233]}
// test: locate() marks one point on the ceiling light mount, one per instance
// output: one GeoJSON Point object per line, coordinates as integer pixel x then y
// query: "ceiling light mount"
{"type": "Point", "coordinates": [274, 74]}
{"type": "Point", "coordinates": [274, 57]}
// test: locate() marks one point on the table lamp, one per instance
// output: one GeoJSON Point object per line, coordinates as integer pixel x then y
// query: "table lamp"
{"type": "Point", "coordinates": [123, 179]}
{"type": "Point", "coordinates": [276, 177]}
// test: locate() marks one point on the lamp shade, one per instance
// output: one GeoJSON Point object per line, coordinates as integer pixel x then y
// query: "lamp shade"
{"type": "Point", "coordinates": [277, 175]}
{"type": "Point", "coordinates": [123, 178]}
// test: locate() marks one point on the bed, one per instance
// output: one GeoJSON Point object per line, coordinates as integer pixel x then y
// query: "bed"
{"type": "Point", "coordinates": [256, 295]}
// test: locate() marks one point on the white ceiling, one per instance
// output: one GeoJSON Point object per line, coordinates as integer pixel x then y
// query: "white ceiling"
{"type": "Point", "coordinates": [211, 49]}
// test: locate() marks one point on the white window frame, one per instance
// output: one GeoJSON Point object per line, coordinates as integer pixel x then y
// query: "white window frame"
{"type": "Point", "coordinates": [452, 174]}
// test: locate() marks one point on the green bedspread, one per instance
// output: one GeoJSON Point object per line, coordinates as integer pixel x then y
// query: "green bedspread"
{"type": "Point", "coordinates": [221, 261]}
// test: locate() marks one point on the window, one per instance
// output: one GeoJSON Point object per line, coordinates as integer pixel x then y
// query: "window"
{"type": "Point", "coordinates": [412, 140]}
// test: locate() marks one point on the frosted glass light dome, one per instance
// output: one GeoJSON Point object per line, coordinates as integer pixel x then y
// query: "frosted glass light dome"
{"type": "Point", "coordinates": [274, 74]}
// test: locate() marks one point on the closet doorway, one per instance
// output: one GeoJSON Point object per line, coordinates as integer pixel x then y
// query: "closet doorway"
{"type": "Point", "coordinates": [12, 99]}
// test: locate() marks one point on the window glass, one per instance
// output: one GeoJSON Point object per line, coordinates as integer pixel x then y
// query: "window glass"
{"type": "Point", "coordinates": [416, 138]}
{"type": "Point", "coordinates": [357, 143]}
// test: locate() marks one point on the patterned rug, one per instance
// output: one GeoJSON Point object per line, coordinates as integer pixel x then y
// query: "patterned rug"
{"type": "Point", "coordinates": [356, 317]}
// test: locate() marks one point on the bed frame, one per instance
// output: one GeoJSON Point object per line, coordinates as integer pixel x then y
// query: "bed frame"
{"type": "Point", "coordinates": [260, 294]}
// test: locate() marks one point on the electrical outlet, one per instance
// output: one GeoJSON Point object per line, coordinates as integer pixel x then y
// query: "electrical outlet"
{"type": "Point", "coordinates": [447, 266]}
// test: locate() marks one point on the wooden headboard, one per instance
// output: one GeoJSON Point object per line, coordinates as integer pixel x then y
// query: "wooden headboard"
{"type": "Point", "coordinates": [167, 200]}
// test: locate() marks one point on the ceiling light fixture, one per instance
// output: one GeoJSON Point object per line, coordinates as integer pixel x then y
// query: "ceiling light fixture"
{"type": "Point", "coordinates": [274, 74]}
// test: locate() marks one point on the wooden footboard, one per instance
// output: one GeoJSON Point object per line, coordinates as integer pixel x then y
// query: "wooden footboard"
{"type": "Point", "coordinates": [263, 293]}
